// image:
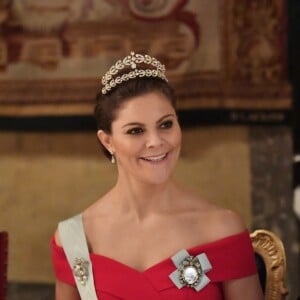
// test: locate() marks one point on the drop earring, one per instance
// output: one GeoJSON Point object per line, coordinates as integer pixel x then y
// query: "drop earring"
{"type": "Point", "coordinates": [113, 159]}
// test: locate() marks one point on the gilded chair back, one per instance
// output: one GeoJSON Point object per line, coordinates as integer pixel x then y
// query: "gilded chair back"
{"type": "Point", "coordinates": [271, 262]}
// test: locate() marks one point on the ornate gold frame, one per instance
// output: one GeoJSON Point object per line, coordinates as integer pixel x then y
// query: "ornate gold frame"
{"type": "Point", "coordinates": [270, 248]}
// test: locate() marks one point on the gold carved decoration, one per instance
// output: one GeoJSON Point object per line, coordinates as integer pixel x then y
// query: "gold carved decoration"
{"type": "Point", "coordinates": [270, 248]}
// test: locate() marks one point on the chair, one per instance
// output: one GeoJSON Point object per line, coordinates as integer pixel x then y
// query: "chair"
{"type": "Point", "coordinates": [3, 264]}
{"type": "Point", "coordinates": [271, 263]}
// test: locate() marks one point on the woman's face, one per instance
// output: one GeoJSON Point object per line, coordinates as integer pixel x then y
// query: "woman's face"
{"type": "Point", "coordinates": [145, 138]}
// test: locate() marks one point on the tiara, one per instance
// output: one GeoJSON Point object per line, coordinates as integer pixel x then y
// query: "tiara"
{"type": "Point", "coordinates": [132, 60]}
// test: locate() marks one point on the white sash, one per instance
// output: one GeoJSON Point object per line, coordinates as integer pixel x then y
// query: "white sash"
{"type": "Point", "coordinates": [75, 247]}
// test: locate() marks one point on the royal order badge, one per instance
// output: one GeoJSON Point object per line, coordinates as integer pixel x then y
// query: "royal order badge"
{"type": "Point", "coordinates": [190, 270]}
{"type": "Point", "coordinates": [80, 270]}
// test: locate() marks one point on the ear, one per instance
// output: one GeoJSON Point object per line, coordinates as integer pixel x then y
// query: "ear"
{"type": "Point", "coordinates": [105, 140]}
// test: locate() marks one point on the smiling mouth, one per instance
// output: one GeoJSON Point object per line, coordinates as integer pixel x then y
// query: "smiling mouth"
{"type": "Point", "coordinates": [155, 158]}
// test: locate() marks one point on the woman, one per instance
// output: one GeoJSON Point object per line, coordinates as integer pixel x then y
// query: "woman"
{"type": "Point", "coordinates": [149, 237]}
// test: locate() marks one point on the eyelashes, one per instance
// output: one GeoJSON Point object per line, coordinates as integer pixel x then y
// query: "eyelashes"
{"type": "Point", "coordinates": [167, 124]}
{"type": "Point", "coordinates": [135, 131]}
{"type": "Point", "coordinates": [139, 130]}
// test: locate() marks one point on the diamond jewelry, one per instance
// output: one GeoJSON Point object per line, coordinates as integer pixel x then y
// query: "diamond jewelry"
{"type": "Point", "coordinates": [131, 61]}
{"type": "Point", "coordinates": [80, 270]}
{"type": "Point", "coordinates": [190, 270]}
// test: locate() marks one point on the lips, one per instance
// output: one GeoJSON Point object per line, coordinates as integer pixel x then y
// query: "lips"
{"type": "Point", "coordinates": [156, 158]}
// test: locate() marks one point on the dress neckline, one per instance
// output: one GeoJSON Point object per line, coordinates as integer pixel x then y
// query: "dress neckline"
{"type": "Point", "coordinates": [194, 250]}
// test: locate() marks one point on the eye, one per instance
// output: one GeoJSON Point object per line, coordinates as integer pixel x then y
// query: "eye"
{"type": "Point", "coordinates": [135, 130]}
{"type": "Point", "coordinates": [167, 124]}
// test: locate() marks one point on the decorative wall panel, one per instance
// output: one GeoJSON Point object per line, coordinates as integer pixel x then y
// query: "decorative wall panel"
{"type": "Point", "coordinates": [219, 54]}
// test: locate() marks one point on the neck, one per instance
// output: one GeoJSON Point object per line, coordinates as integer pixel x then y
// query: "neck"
{"type": "Point", "coordinates": [140, 200]}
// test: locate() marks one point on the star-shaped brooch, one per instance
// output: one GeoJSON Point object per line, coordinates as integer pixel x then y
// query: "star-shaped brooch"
{"type": "Point", "coordinates": [190, 270]}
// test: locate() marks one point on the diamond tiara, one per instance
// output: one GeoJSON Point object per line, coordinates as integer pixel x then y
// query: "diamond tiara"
{"type": "Point", "coordinates": [132, 61]}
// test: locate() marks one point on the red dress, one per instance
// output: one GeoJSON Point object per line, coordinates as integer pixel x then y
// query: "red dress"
{"type": "Point", "coordinates": [231, 258]}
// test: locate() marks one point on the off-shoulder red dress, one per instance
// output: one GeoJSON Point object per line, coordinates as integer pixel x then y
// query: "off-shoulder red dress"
{"type": "Point", "coordinates": [230, 258]}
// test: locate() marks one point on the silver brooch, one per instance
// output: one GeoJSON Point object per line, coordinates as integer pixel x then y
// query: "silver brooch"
{"type": "Point", "coordinates": [190, 270]}
{"type": "Point", "coordinates": [80, 270]}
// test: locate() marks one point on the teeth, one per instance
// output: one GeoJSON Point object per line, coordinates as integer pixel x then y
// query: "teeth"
{"type": "Point", "coordinates": [155, 158]}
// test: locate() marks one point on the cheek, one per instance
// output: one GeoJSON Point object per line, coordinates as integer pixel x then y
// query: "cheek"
{"type": "Point", "coordinates": [128, 147]}
{"type": "Point", "coordinates": [176, 138]}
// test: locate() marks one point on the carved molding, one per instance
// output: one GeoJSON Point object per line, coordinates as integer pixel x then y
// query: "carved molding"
{"type": "Point", "coordinates": [271, 249]}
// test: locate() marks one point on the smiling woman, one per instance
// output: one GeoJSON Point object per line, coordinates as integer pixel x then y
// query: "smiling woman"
{"type": "Point", "coordinates": [146, 146]}
{"type": "Point", "coordinates": [149, 237]}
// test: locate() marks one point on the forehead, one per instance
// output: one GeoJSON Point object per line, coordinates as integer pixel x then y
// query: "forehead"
{"type": "Point", "coordinates": [147, 106]}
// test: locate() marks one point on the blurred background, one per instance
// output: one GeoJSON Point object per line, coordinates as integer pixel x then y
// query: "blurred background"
{"type": "Point", "coordinates": [236, 69]}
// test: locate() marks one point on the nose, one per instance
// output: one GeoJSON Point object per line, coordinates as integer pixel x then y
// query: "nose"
{"type": "Point", "coordinates": [154, 139]}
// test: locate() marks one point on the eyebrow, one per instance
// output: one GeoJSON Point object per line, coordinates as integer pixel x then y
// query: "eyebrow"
{"type": "Point", "coordinates": [141, 124]}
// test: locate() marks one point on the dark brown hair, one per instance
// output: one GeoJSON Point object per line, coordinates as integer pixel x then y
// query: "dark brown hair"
{"type": "Point", "coordinates": [108, 104]}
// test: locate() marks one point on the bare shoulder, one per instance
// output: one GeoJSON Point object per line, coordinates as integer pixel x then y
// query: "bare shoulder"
{"type": "Point", "coordinates": [215, 222]}
{"type": "Point", "coordinates": [228, 222]}
{"type": "Point", "coordinates": [57, 238]}
{"type": "Point", "coordinates": [222, 223]}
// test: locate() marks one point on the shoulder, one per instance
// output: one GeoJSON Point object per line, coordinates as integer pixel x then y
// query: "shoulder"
{"type": "Point", "coordinates": [224, 222]}
{"type": "Point", "coordinates": [57, 238]}
{"type": "Point", "coordinates": [209, 217]}
{"type": "Point", "coordinates": [228, 221]}
{"type": "Point", "coordinates": [74, 223]}
{"type": "Point", "coordinates": [215, 222]}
